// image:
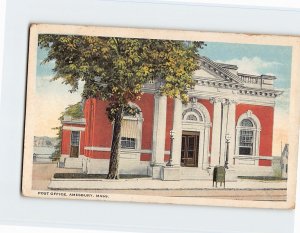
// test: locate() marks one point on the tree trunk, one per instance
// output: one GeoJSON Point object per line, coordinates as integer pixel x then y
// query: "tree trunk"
{"type": "Point", "coordinates": [113, 172]}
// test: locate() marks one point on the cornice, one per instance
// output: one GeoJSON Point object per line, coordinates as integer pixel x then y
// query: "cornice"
{"type": "Point", "coordinates": [240, 89]}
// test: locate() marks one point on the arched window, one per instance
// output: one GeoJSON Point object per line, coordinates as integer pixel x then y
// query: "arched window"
{"type": "Point", "coordinates": [247, 123]}
{"type": "Point", "coordinates": [191, 117]}
{"type": "Point", "coordinates": [247, 135]}
{"type": "Point", "coordinates": [191, 114]}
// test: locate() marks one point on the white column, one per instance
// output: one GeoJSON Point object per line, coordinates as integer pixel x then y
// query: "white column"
{"type": "Point", "coordinates": [224, 128]}
{"type": "Point", "coordinates": [231, 128]}
{"type": "Point", "coordinates": [177, 128]}
{"type": "Point", "coordinates": [204, 148]}
{"type": "Point", "coordinates": [159, 130]}
{"type": "Point", "coordinates": [215, 149]}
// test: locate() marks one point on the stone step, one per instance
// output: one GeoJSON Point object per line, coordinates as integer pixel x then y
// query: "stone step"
{"type": "Point", "coordinates": [194, 173]}
{"type": "Point", "coordinates": [204, 174]}
{"type": "Point", "coordinates": [73, 163]}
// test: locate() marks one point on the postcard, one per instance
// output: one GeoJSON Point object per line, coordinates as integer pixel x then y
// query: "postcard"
{"type": "Point", "coordinates": [161, 116]}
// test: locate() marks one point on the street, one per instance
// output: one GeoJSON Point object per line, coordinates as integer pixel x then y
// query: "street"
{"type": "Point", "coordinates": [42, 174]}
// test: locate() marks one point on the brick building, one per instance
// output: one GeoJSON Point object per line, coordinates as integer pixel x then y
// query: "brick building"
{"type": "Point", "coordinates": [229, 119]}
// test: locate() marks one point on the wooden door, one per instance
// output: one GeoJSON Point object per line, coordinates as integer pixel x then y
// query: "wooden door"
{"type": "Point", "coordinates": [189, 149]}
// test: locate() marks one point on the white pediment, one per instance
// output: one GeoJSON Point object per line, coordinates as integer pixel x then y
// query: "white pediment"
{"type": "Point", "coordinates": [201, 73]}
{"type": "Point", "coordinates": [210, 70]}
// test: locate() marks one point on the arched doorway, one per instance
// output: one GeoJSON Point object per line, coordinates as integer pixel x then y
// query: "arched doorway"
{"type": "Point", "coordinates": [195, 136]}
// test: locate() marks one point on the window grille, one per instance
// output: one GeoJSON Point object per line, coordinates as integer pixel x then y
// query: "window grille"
{"type": "Point", "coordinates": [192, 114]}
{"type": "Point", "coordinates": [128, 143]}
{"type": "Point", "coordinates": [191, 117]}
{"type": "Point", "coordinates": [246, 137]}
{"type": "Point", "coordinates": [247, 123]}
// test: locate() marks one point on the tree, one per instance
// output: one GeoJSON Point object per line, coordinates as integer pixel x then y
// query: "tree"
{"type": "Point", "coordinates": [74, 111]}
{"type": "Point", "coordinates": [115, 69]}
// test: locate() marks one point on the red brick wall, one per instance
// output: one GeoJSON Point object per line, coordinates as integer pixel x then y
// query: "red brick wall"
{"type": "Point", "coordinates": [65, 142]}
{"type": "Point", "coordinates": [102, 130]}
{"type": "Point", "coordinates": [98, 132]}
{"type": "Point", "coordinates": [82, 142]}
{"type": "Point", "coordinates": [99, 154]}
{"type": "Point", "coordinates": [99, 128]}
{"type": "Point", "coordinates": [146, 157]}
{"type": "Point", "coordinates": [265, 114]}
{"type": "Point", "coordinates": [146, 103]}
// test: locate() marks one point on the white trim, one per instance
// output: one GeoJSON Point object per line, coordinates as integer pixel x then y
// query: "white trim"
{"type": "Point", "coordinates": [203, 127]}
{"type": "Point", "coordinates": [206, 92]}
{"type": "Point", "coordinates": [256, 135]}
{"type": "Point", "coordinates": [73, 128]}
{"type": "Point", "coordinates": [144, 151]}
{"type": "Point", "coordinates": [201, 108]}
{"type": "Point", "coordinates": [97, 148]}
{"type": "Point", "coordinates": [213, 92]}
{"type": "Point", "coordinates": [256, 157]}
{"type": "Point", "coordinates": [253, 100]}
{"type": "Point", "coordinates": [249, 115]}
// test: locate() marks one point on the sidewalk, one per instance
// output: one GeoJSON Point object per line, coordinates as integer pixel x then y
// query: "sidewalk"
{"type": "Point", "coordinates": [151, 184]}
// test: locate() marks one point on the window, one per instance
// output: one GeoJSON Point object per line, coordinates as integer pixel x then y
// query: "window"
{"type": "Point", "coordinates": [75, 138]}
{"type": "Point", "coordinates": [192, 114]}
{"type": "Point", "coordinates": [191, 117]}
{"type": "Point", "coordinates": [246, 123]}
{"type": "Point", "coordinates": [246, 142]}
{"type": "Point", "coordinates": [128, 143]}
{"type": "Point", "coordinates": [131, 131]}
{"type": "Point", "coordinates": [246, 137]}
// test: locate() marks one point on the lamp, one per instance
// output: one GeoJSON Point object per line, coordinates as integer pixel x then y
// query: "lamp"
{"type": "Point", "coordinates": [172, 136]}
{"type": "Point", "coordinates": [227, 141]}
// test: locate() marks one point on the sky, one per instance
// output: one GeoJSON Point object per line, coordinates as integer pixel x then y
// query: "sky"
{"type": "Point", "coordinates": [261, 59]}
{"type": "Point", "coordinates": [53, 96]}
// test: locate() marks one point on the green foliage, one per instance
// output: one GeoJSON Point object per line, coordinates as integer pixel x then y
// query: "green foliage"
{"type": "Point", "coordinates": [74, 111]}
{"type": "Point", "coordinates": [115, 69]}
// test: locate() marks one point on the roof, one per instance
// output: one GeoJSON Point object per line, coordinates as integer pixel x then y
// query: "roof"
{"type": "Point", "coordinates": [228, 66]}
{"type": "Point", "coordinates": [219, 67]}
{"type": "Point", "coordinates": [70, 120]}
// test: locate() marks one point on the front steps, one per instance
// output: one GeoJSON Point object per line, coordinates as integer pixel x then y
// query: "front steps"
{"type": "Point", "coordinates": [195, 173]}
{"type": "Point", "coordinates": [73, 163]}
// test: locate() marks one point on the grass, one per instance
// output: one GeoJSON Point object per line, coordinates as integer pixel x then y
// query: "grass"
{"type": "Point", "coordinates": [267, 178]}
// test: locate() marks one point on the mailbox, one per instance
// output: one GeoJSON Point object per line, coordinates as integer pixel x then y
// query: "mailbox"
{"type": "Point", "coordinates": [219, 175]}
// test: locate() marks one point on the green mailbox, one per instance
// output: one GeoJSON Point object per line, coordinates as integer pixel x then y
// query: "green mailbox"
{"type": "Point", "coordinates": [219, 175]}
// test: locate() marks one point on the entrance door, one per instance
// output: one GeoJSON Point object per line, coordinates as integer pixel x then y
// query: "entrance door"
{"type": "Point", "coordinates": [189, 149]}
{"type": "Point", "coordinates": [74, 151]}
